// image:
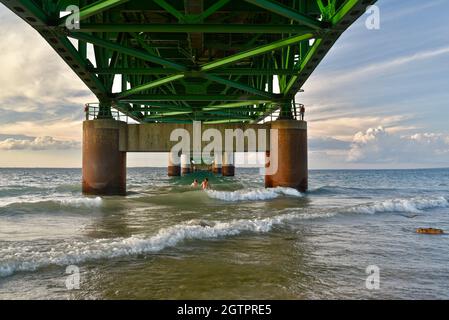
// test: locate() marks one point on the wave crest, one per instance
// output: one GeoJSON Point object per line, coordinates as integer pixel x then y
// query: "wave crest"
{"type": "Point", "coordinates": [42, 203]}
{"type": "Point", "coordinates": [253, 194]}
{"type": "Point", "coordinates": [414, 205]}
{"type": "Point", "coordinates": [30, 258]}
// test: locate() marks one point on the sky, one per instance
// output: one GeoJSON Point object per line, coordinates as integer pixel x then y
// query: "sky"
{"type": "Point", "coordinates": [379, 99]}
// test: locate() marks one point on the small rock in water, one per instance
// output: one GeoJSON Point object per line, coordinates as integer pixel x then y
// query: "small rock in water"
{"type": "Point", "coordinates": [205, 224]}
{"type": "Point", "coordinates": [429, 231]}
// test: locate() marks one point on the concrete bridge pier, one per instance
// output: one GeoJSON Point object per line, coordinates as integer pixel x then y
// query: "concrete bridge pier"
{"type": "Point", "coordinates": [218, 161]}
{"type": "Point", "coordinates": [228, 168]}
{"type": "Point", "coordinates": [186, 166]}
{"type": "Point", "coordinates": [292, 169]}
{"type": "Point", "coordinates": [104, 165]}
{"type": "Point", "coordinates": [174, 165]}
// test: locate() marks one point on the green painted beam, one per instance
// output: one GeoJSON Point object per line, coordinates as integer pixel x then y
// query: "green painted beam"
{"type": "Point", "coordinates": [82, 62]}
{"type": "Point", "coordinates": [155, 58]}
{"type": "Point", "coordinates": [203, 28]}
{"type": "Point", "coordinates": [232, 105]}
{"type": "Point", "coordinates": [93, 9]}
{"type": "Point", "coordinates": [343, 11]}
{"type": "Point", "coordinates": [150, 85]}
{"type": "Point", "coordinates": [35, 10]}
{"type": "Point", "coordinates": [287, 13]}
{"type": "Point", "coordinates": [190, 97]}
{"type": "Point", "coordinates": [303, 64]}
{"type": "Point", "coordinates": [227, 121]}
{"type": "Point", "coordinates": [209, 11]}
{"type": "Point", "coordinates": [167, 71]}
{"type": "Point", "coordinates": [125, 50]}
{"type": "Point", "coordinates": [169, 8]}
{"type": "Point", "coordinates": [238, 85]}
{"type": "Point", "coordinates": [167, 114]}
{"type": "Point", "coordinates": [256, 51]}
{"type": "Point", "coordinates": [159, 106]}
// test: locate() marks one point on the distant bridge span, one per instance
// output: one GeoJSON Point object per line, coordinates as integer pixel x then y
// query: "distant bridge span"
{"type": "Point", "coordinates": [208, 60]}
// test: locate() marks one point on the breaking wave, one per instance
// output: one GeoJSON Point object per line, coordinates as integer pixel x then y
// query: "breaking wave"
{"type": "Point", "coordinates": [253, 194]}
{"type": "Point", "coordinates": [414, 205]}
{"type": "Point", "coordinates": [30, 258]}
{"type": "Point", "coordinates": [36, 203]}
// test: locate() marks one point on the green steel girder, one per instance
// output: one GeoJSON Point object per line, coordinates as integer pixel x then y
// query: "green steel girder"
{"type": "Point", "coordinates": [200, 27]}
{"type": "Point", "coordinates": [176, 61]}
{"type": "Point", "coordinates": [256, 51]}
{"type": "Point", "coordinates": [128, 51]}
{"type": "Point", "coordinates": [221, 71]}
{"type": "Point", "coordinates": [94, 9]}
{"type": "Point", "coordinates": [288, 13]}
{"type": "Point", "coordinates": [142, 98]}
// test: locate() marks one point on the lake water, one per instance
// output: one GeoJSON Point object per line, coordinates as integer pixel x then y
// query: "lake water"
{"type": "Point", "coordinates": [166, 240]}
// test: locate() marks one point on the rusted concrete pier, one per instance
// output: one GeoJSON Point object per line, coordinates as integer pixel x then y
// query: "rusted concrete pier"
{"type": "Point", "coordinates": [292, 167]}
{"type": "Point", "coordinates": [104, 164]}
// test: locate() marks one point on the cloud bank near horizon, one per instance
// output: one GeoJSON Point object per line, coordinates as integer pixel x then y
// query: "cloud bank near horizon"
{"type": "Point", "coordinates": [38, 143]}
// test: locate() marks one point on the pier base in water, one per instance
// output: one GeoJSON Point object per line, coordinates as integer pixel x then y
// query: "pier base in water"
{"type": "Point", "coordinates": [228, 168]}
{"type": "Point", "coordinates": [217, 165]}
{"type": "Point", "coordinates": [291, 167]}
{"type": "Point", "coordinates": [174, 166]}
{"type": "Point", "coordinates": [104, 165]}
{"type": "Point", "coordinates": [186, 166]}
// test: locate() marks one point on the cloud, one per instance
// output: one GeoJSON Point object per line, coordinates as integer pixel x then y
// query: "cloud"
{"type": "Point", "coordinates": [40, 95]}
{"type": "Point", "coordinates": [388, 65]}
{"type": "Point", "coordinates": [378, 145]}
{"type": "Point", "coordinates": [31, 69]}
{"type": "Point", "coordinates": [344, 127]}
{"type": "Point", "coordinates": [38, 143]}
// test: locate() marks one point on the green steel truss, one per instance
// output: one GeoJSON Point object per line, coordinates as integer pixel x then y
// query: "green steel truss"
{"type": "Point", "coordinates": [178, 61]}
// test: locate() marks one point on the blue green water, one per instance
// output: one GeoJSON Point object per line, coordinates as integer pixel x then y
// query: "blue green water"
{"type": "Point", "coordinates": [166, 240]}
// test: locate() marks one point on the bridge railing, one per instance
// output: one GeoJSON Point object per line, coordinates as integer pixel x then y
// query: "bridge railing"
{"type": "Point", "coordinates": [295, 113]}
{"type": "Point", "coordinates": [92, 111]}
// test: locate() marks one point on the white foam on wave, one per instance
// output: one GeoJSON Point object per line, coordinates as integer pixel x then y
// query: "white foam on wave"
{"type": "Point", "coordinates": [82, 202]}
{"type": "Point", "coordinates": [65, 201]}
{"type": "Point", "coordinates": [414, 205]}
{"type": "Point", "coordinates": [253, 194]}
{"type": "Point", "coordinates": [30, 258]}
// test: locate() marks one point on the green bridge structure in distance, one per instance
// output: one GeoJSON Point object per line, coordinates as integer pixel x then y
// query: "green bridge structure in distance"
{"type": "Point", "coordinates": [178, 61]}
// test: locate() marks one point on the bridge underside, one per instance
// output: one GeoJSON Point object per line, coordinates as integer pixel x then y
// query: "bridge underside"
{"type": "Point", "coordinates": [179, 61]}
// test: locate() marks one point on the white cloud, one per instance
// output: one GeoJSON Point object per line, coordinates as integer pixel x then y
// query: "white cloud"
{"type": "Point", "coordinates": [40, 95]}
{"type": "Point", "coordinates": [39, 143]}
{"type": "Point", "coordinates": [378, 145]}
{"type": "Point", "coordinates": [32, 69]}
{"type": "Point", "coordinates": [343, 127]}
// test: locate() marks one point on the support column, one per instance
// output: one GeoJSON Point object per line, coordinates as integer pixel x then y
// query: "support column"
{"type": "Point", "coordinates": [218, 161]}
{"type": "Point", "coordinates": [291, 155]}
{"type": "Point", "coordinates": [174, 165]}
{"type": "Point", "coordinates": [104, 165]}
{"type": "Point", "coordinates": [228, 169]}
{"type": "Point", "coordinates": [268, 182]}
{"type": "Point", "coordinates": [185, 163]}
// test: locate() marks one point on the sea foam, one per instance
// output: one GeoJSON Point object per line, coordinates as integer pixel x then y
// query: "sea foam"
{"type": "Point", "coordinates": [253, 194]}
{"type": "Point", "coordinates": [43, 202]}
{"type": "Point", "coordinates": [30, 257]}
{"type": "Point", "coordinates": [413, 205]}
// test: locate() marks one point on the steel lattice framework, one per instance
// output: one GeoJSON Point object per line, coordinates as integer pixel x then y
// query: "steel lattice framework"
{"type": "Point", "coordinates": [178, 61]}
